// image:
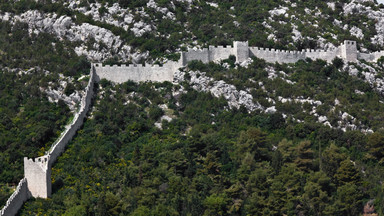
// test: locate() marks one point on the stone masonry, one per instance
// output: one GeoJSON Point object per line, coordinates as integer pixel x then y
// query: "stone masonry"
{"type": "Point", "coordinates": [240, 49]}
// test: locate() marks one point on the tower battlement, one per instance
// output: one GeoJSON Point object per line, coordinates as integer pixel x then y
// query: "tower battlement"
{"type": "Point", "coordinates": [349, 50]}
{"type": "Point", "coordinates": [38, 173]}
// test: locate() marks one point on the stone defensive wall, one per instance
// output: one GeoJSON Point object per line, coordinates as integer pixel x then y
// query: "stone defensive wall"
{"type": "Point", "coordinates": [220, 52]}
{"type": "Point", "coordinates": [137, 73]}
{"type": "Point", "coordinates": [142, 73]}
{"type": "Point", "coordinates": [58, 147]}
{"type": "Point", "coordinates": [347, 51]}
{"type": "Point", "coordinates": [207, 54]}
{"type": "Point", "coordinates": [242, 52]}
{"type": "Point", "coordinates": [240, 49]}
{"type": "Point", "coordinates": [16, 200]}
{"type": "Point", "coordinates": [37, 171]}
{"type": "Point", "coordinates": [370, 57]}
{"type": "Point", "coordinates": [288, 56]}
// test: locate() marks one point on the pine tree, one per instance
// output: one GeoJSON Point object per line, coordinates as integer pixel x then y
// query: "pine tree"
{"type": "Point", "coordinates": [304, 160]}
{"type": "Point", "coordinates": [375, 145]}
{"type": "Point", "coordinates": [347, 173]}
{"type": "Point", "coordinates": [331, 158]}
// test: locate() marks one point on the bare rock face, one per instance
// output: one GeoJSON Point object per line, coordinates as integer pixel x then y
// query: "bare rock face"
{"type": "Point", "coordinates": [200, 82]}
{"type": "Point", "coordinates": [71, 100]}
{"type": "Point", "coordinates": [57, 93]}
{"type": "Point", "coordinates": [369, 75]}
{"type": "Point", "coordinates": [106, 43]}
{"type": "Point", "coordinates": [355, 7]}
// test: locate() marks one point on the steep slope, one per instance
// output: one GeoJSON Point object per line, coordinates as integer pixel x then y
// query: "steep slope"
{"type": "Point", "coordinates": [188, 148]}
{"type": "Point", "coordinates": [35, 103]}
{"type": "Point", "coordinates": [224, 138]}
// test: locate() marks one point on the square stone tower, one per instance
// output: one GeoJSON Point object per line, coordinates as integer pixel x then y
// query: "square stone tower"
{"type": "Point", "coordinates": [38, 174]}
{"type": "Point", "coordinates": [241, 49]}
{"type": "Point", "coordinates": [349, 51]}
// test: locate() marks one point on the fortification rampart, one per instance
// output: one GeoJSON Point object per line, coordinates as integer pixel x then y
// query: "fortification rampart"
{"type": "Point", "coordinates": [199, 55]}
{"type": "Point", "coordinates": [213, 53]}
{"type": "Point", "coordinates": [16, 200]}
{"type": "Point", "coordinates": [37, 171]}
{"type": "Point", "coordinates": [288, 56]}
{"type": "Point", "coordinates": [58, 147]}
{"type": "Point", "coordinates": [220, 52]}
{"type": "Point", "coordinates": [142, 73]}
{"type": "Point", "coordinates": [370, 57]}
{"type": "Point", "coordinates": [272, 55]}
{"type": "Point", "coordinates": [241, 50]}
{"type": "Point", "coordinates": [137, 73]}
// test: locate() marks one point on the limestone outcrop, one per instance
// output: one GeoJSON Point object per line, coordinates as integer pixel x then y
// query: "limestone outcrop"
{"type": "Point", "coordinates": [107, 44]}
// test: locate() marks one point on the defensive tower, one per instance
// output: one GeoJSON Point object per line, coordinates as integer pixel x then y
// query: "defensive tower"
{"type": "Point", "coordinates": [38, 174]}
{"type": "Point", "coordinates": [241, 50]}
{"type": "Point", "coordinates": [349, 51]}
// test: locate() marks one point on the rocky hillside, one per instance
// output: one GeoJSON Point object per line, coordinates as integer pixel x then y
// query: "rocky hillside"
{"type": "Point", "coordinates": [152, 30]}
{"type": "Point", "coordinates": [224, 138]}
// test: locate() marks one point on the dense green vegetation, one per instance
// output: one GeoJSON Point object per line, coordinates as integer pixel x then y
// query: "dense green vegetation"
{"type": "Point", "coordinates": [210, 161]}
{"type": "Point", "coordinates": [316, 80]}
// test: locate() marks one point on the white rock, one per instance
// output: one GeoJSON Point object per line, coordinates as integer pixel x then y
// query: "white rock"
{"type": "Point", "coordinates": [345, 116]}
{"type": "Point", "coordinates": [166, 118]}
{"type": "Point", "coordinates": [331, 5]}
{"type": "Point", "coordinates": [337, 102]}
{"type": "Point", "coordinates": [278, 11]}
{"type": "Point", "coordinates": [200, 82]}
{"type": "Point", "coordinates": [327, 124]}
{"type": "Point", "coordinates": [246, 63]}
{"type": "Point", "coordinates": [322, 119]}
{"type": "Point", "coordinates": [271, 110]}
{"type": "Point", "coordinates": [212, 4]}
{"type": "Point", "coordinates": [64, 28]}
{"type": "Point", "coordinates": [357, 32]}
